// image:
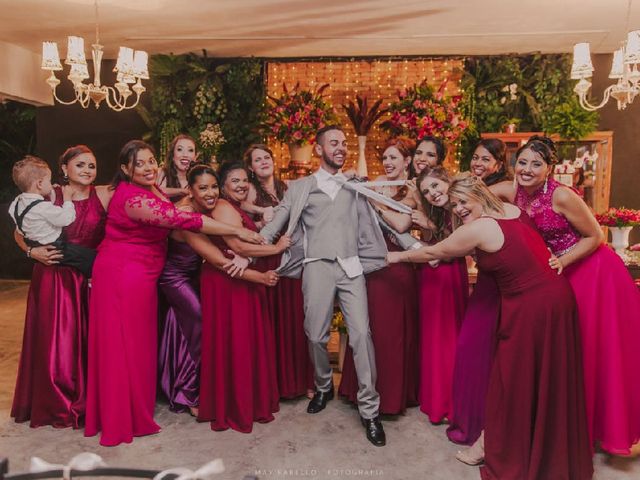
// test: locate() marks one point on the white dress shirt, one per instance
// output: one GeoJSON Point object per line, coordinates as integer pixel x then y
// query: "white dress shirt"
{"type": "Point", "coordinates": [44, 222]}
{"type": "Point", "coordinates": [331, 185]}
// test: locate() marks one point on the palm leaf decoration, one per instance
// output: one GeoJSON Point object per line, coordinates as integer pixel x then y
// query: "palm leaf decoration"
{"type": "Point", "coordinates": [362, 117]}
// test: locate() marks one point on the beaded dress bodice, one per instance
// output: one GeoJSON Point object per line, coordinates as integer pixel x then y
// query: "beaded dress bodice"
{"type": "Point", "coordinates": [558, 233]}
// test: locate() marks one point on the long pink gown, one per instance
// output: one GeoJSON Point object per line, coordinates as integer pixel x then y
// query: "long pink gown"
{"type": "Point", "coordinates": [609, 314]}
{"type": "Point", "coordinates": [442, 294]}
{"type": "Point", "coordinates": [51, 384]}
{"type": "Point", "coordinates": [123, 340]}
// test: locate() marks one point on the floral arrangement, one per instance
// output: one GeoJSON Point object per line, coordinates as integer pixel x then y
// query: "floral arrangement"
{"type": "Point", "coordinates": [338, 323]}
{"type": "Point", "coordinates": [362, 117]}
{"type": "Point", "coordinates": [419, 111]}
{"type": "Point", "coordinates": [619, 217]}
{"type": "Point", "coordinates": [298, 114]}
{"type": "Point", "coordinates": [211, 138]}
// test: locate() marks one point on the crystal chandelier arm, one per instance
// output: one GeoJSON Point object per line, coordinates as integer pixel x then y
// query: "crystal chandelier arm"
{"type": "Point", "coordinates": [583, 87]}
{"type": "Point", "coordinates": [75, 100]}
{"type": "Point", "coordinates": [119, 102]}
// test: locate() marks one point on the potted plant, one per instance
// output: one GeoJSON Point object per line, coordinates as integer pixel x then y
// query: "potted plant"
{"type": "Point", "coordinates": [421, 111]}
{"type": "Point", "coordinates": [511, 125]}
{"type": "Point", "coordinates": [620, 222]}
{"type": "Point", "coordinates": [295, 117]}
{"type": "Point", "coordinates": [362, 118]}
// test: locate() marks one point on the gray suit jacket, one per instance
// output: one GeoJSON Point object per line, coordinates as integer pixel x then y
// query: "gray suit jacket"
{"type": "Point", "coordinates": [372, 249]}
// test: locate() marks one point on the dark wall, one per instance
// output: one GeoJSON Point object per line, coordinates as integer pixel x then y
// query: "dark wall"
{"type": "Point", "coordinates": [103, 130]}
{"type": "Point", "coordinates": [625, 124]}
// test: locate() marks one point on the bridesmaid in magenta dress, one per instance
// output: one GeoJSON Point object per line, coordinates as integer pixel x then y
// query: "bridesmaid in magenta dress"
{"type": "Point", "coordinates": [608, 301]}
{"type": "Point", "coordinates": [238, 378]}
{"type": "Point", "coordinates": [123, 308]}
{"type": "Point", "coordinates": [474, 351]}
{"type": "Point", "coordinates": [442, 292]}
{"type": "Point", "coordinates": [286, 310]}
{"type": "Point", "coordinates": [51, 384]}
{"type": "Point", "coordinates": [536, 419]}
{"type": "Point", "coordinates": [392, 297]}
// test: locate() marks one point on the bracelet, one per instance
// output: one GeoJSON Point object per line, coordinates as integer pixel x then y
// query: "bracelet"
{"type": "Point", "coordinates": [29, 252]}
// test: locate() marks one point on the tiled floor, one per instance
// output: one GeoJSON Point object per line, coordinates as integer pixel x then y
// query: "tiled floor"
{"type": "Point", "coordinates": [328, 445]}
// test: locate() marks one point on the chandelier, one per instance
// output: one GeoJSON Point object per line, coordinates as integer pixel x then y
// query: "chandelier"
{"type": "Point", "coordinates": [624, 69]}
{"type": "Point", "coordinates": [131, 68]}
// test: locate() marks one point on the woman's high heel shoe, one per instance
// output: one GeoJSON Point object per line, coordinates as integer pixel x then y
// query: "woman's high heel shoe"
{"type": "Point", "coordinates": [474, 455]}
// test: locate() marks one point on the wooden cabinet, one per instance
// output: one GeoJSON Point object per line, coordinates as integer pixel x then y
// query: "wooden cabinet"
{"type": "Point", "coordinates": [585, 165]}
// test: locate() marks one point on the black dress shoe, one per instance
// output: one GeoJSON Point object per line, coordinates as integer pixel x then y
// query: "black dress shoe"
{"type": "Point", "coordinates": [319, 401]}
{"type": "Point", "coordinates": [375, 432]}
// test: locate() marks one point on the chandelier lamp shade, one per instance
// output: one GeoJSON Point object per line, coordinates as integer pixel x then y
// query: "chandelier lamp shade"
{"type": "Point", "coordinates": [131, 68]}
{"type": "Point", "coordinates": [624, 69]}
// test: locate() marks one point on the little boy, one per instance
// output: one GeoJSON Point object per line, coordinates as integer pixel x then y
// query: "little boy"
{"type": "Point", "coordinates": [39, 220]}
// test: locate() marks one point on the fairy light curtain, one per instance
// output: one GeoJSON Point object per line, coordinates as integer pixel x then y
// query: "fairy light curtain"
{"type": "Point", "coordinates": [374, 78]}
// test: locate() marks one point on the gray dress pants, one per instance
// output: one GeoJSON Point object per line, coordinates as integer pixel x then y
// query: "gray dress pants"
{"type": "Point", "coordinates": [321, 281]}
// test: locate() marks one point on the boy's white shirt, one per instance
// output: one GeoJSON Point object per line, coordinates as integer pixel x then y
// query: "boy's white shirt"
{"type": "Point", "coordinates": [44, 222]}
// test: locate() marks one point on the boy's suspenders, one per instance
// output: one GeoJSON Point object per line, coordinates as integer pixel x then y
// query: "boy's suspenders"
{"type": "Point", "coordinates": [20, 218]}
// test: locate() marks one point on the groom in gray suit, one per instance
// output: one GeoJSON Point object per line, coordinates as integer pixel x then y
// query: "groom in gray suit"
{"type": "Point", "coordinates": [335, 240]}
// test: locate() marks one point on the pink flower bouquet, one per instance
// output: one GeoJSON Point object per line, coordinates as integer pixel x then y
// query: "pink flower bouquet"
{"type": "Point", "coordinates": [419, 112]}
{"type": "Point", "coordinates": [298, 114]}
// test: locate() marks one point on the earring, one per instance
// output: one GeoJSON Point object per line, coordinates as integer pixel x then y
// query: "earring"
{"type": "Point", "coordinates": [515, 182]}
{"type": "Point", "coordinates": [65, 177]}
{"type": "Point", "coordinates": [546, 185]}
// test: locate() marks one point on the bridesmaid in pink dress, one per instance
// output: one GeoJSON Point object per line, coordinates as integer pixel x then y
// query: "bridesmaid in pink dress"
{"type": "Point", "coordinates": [443, 292]}
{"type": "Point", "coordinates": [392, 297]}
{"type": "Point", "coordinates": [51, 384]}
{"type": "Point", "coordinates": [123, 309]}
{"type": "Point", "coordinates": [474, 352]}
{"type": "Point", "coordinates": [238, 382]}
{"type": "Point", "coordinates": [286, 309]}
{"type": "Point", "coordinates": [608, 301]}
{"type": "Point", "coordinates": [535, 420]}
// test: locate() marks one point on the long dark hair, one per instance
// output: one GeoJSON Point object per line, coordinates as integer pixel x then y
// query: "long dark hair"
{"type": "Point", "coordinates": [68, 155]}
{"type": "Point", "coordinates": [498, 150]}
{"type": "Point", "coordinates": [263, 199]}
{"type": "Point", "coordinates": [441, 152]}
{"type": "Point", "coordinates": [127, 157]}
{"type": "Point", "coordinates": [440, 216]}
{"type": "Point", "coordinates": [169, 166]}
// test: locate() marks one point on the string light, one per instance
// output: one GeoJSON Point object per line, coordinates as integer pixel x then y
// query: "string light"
{"type": "Point", "coordinates": [364, 77]}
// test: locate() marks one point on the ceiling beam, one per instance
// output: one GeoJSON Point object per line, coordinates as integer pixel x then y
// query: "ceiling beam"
{"type": "Point", "coordinates": [21, 78]}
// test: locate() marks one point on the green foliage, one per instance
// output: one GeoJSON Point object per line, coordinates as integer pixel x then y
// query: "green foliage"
{"type": "Point", "coordinates": [188, 92]}
{"type": "Point", "coordinates": [17, 139]}
{"type": "Point", "coordinates": [534, 91]}
{"type": "Point", "coordinates": [244, 92]}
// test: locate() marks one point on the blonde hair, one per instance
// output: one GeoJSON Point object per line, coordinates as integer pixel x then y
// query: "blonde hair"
{"type": "Point", "coordinates": [466, 185]}
{"type": "Point", "coordinates": [29, 170]}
